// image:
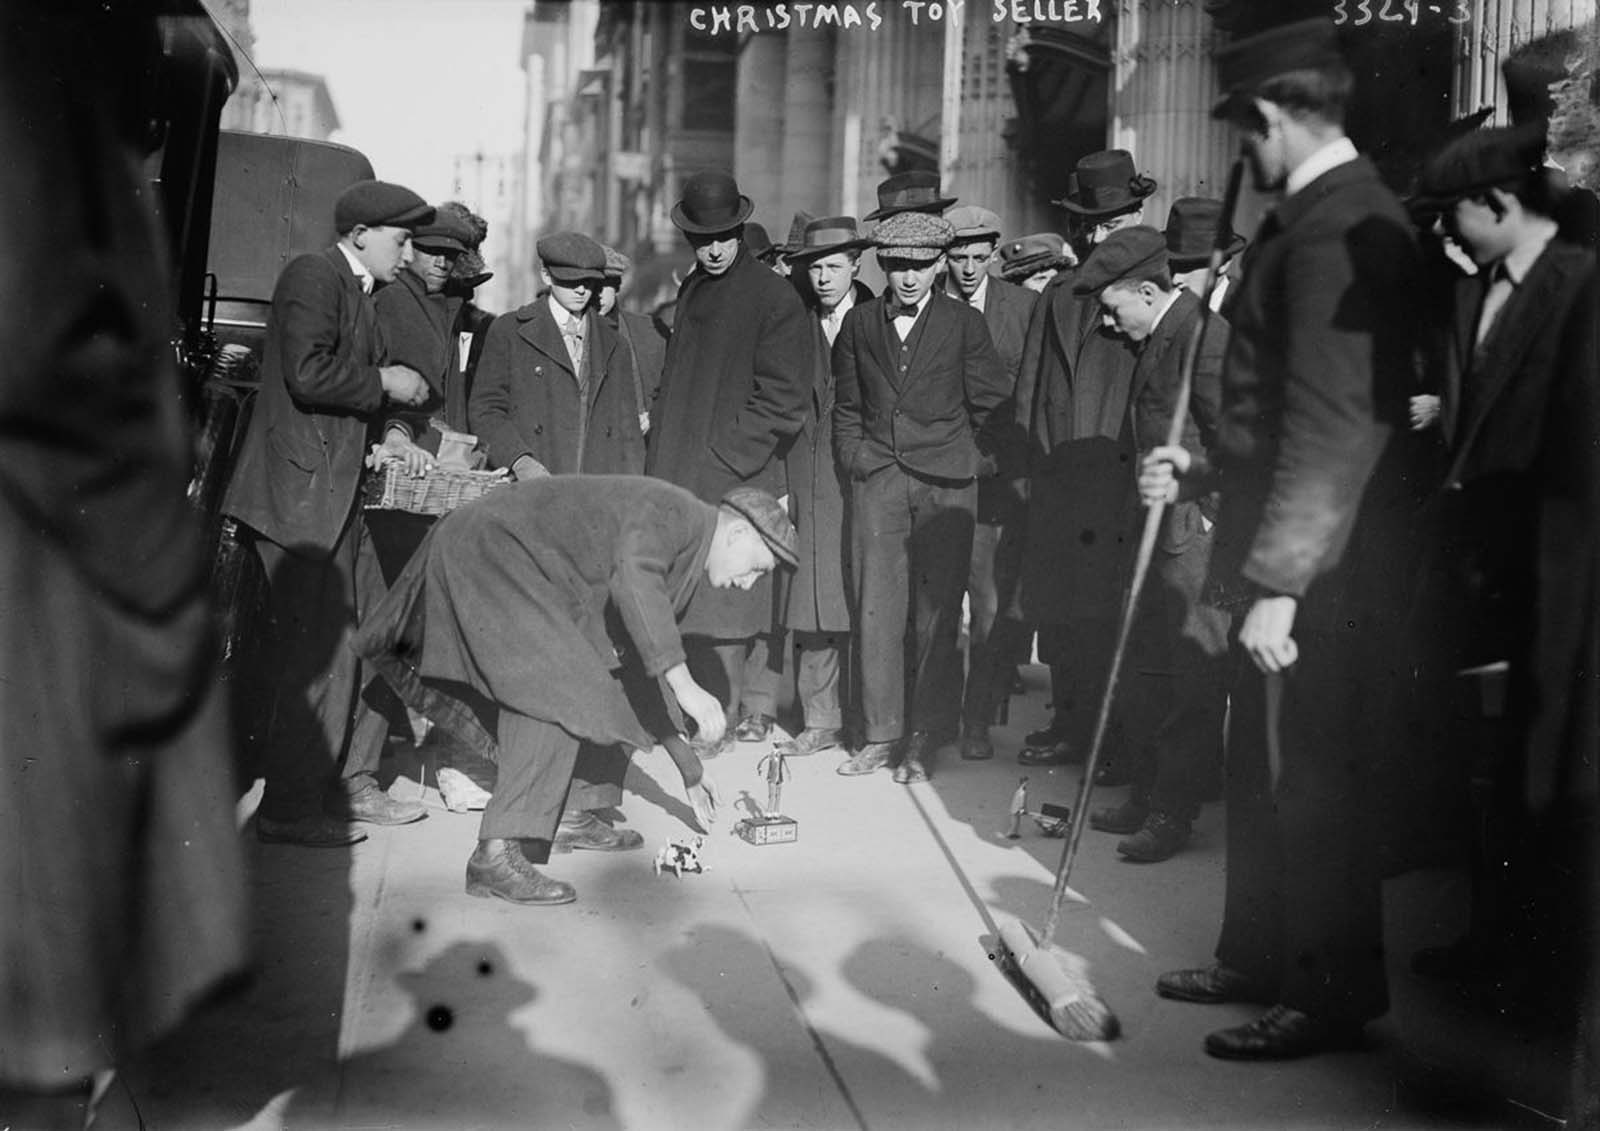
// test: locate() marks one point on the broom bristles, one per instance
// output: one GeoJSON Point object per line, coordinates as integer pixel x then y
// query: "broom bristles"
{"type": "Point", "coordinates": [1057, 982]}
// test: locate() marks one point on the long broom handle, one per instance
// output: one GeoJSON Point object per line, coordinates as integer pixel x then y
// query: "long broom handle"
{"type": "Point", "coordinates": [1147, 546]}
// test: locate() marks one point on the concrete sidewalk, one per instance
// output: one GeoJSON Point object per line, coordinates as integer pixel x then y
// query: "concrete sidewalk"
{"type": "Point", "coordinates": [843, 981]}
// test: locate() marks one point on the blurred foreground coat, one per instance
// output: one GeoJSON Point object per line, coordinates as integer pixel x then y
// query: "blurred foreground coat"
{"type": "Point", "coordinates": [122, 891]}
{"type": "Point", "coordinates": [526, 600]}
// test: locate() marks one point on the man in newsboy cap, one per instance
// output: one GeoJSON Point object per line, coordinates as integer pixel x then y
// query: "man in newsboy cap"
{"type": "Point", "coordinates": [917, 378]}
{"type": "Point", "coordinates": [1309, 549]}
{"type": "Point", "coordinates": [297, 486]}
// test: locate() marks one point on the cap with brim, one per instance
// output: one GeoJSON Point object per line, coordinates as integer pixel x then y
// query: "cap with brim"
{"type": "Point", "coordinates": [1192, 233]}
{"type": "Point", "coordinates": [1132, 253]}
{"type": "Point", "coordinates": [711, 205]}
{"type": "Point", "coordinates": [446, 233]}
{"type": "Point", "coordinates": [379, 204]}
{"type": "Point", "coordinates": [572, 257]}
{"type": "Point", "coordinates": [916, 191]}
{"type": "Point", "coordinates": [919, 237]}
{"type": "Point", "coordinates": [1105, 184]}
{"type": "Point", "coordinates": [1246, 64]}
{"type": "Point", "coordinates": [1028, 255]}
{"type": "Point", "coordinates": [1479, 161]}
{"type": "Point", "coordinates": [617, 264]}
{"type": "Point", "coordinates": [826, 236]}
{"type": "Point", "coordinates": [768, 518]}
{"type": "Point", "coordinates": [973, 223]}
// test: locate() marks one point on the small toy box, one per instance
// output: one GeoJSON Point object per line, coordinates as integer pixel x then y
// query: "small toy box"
{"type": "Point", "coordinates": [767, 830]}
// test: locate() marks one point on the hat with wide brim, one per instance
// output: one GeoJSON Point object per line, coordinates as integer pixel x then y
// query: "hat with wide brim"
{"type": "Point", "coordinates": [711, 205]}
{"type": "Point", "coordinates": [1105, 184]}
{"type": "Point", "coordinates": [770, 520]}
{"type": "Point", "coordinates": [827, 236]}
{"type": "Point", "coordinates": [1191, 233]}
{"type": "Point", "coordinates": [1244, 65]}
{"type": "Point", "coordinates": [916, 191]}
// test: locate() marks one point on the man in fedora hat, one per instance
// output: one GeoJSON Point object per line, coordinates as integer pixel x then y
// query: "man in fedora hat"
{"type": "Point", "coordinates": [296, 485]}
{"type": "Point", "coordinates": [734, 392]}
{"type": "Point", "coordinates": [997, 535]}
{"type": "Point", "coordinates": [817, 608]}
{"type": "Point", "coordinates": [1191, 234]}
{"type": "Point", "coordinates": [536, 602]}
{"type": "Point", "coordinates": [1032, 261]}
{"type": "Point", "coordinates": [916, 191]}
{"type": "Point", "coordinates": [1309, 552]}
{"type": "Point", "coordinates": [1174, 693]}
{"type": "Point", "coordinates": [1072, 400]}
{"type": "Point", "coordinates": [917, 379]}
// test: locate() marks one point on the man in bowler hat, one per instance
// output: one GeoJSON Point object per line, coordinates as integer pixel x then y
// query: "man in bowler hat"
{"type": "Point", "coordinates": [917, 378]}
{"type": "Point", "coordinates": [1191, 234]}
{"type": "Point", "coordinates": [734, 391]}
{"type": "Point", "coordinates": [297, 487]}
{"type": "Point", "coordinates": [1306, 553]}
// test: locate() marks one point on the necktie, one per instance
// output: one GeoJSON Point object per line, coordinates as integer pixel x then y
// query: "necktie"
{"type": "Point", "coordinates": [1494, 300]}
{"type": "Point", "coordinates": [573, 333]}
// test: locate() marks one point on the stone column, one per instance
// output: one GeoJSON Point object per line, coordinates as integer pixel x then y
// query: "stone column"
{"type": "Point", "coordinates": [808, 148]}
{"type": "Point", "coordinates": [1164, 84]}
{"type": "Point", "coordinates": [758, 127]}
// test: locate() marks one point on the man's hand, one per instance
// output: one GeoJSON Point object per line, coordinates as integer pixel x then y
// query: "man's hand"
{"type": "Point", "coordinates": [1159, 473]}
{"type": "Point", "coordinates": [1424, 411]}
{"type": "Point", "coordinates": [403, 384]}
{"type": "Point", "coordinates": [705, 799]}
{"type": "Point", "coordinates": [1265, 634]}
{"type": "Point", "coordinates": [704, 708]}
{"type": "Point", "coordinates": [526, 467]}
{"type": "Point", "coordinates": [397, 445]}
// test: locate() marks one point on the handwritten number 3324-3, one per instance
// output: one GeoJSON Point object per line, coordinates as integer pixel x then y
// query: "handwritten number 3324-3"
{"type": "Point", "coordinates": [1395, 12]}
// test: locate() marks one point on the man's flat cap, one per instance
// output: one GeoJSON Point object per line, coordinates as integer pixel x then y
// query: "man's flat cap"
{"type": "Point", "coordinates": [1246, 64]}
{"type": "Point", "coordinates": [768, 517]}
{"type": "Point", "coordinates": [1028, 255]}
{"type": "Point", "coordinates": [617, 264]}
{"type": "Point", "coordinates": [972, 223]}
{"type": "Point", "coordinates": [379, 204]}
{"type": "Point", "coordinates": [1130, 253]}
{"type": "Point", "coordinates": [917, 236]}
{"type": "Point", "coordinates": [571, 257]}
{"type": "Point", "coordinates": [446, 232]}
{"type": "Point", "coordinates": [1503, 155]}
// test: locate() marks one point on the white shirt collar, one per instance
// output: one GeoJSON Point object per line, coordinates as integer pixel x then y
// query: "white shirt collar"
{"type": "Point", "coordinates": [364, 276]}
{"type": "Point", "coordinates": [1341, 151]}
{"type": "Point", "coordinates": [560, 314]}
{"type": "Point", "coordinates": [1520, 259]}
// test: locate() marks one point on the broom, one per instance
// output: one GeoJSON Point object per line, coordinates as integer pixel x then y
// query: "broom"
{"type": "Point", "coordinates": [1065, 994]}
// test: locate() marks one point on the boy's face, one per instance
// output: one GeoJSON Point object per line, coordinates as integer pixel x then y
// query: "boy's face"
{"type": "Point", "coordinates": [831, 277]}
{"type": "Point", "coordinates": [606, 302]}
{"type": "Point", "coordinates": [969, 263]}
{"type": "Point", "coordinates": [1131, 310]}
{"type": "Point", "coordinates": [1040, 279]}
{"type": "Point", "coordinates": [383, 251]}
{"type": "Point", "coordinates": [432, 267]}
{"type": "Point", "coordinates": [573, 296]}
{"type": "Point", "coordinates": [739, 560]}
{"type": "Point", "coordinates": [909, 279]}
{"type": "Point", "coordinates": [1473, 225]}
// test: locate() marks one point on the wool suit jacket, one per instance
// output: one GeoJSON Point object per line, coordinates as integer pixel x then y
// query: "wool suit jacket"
{"type": "Point", "coordinates": [526, 400]}
{"type": "Point", "coordinates": [1006, 310]}
{"type": "Point", "coordinates": [302, 456]}
{"type": "Point", "coordinates": [919, 404]}
{"type": "Point", "coordinates": [1323, 356]}
{"type": "Point", "coordinates": [419, 330]}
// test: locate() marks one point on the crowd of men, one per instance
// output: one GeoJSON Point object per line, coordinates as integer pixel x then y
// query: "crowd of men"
{"type": "Point", "coordinates": [1382, 492]}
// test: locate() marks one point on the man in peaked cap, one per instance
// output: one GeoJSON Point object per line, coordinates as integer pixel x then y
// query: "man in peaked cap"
{"type": "Point", "coordinates": [1072, 398]}
{"type": "Point", "coordinates": [917, 378]}
{"type": "Point", "coordinates": [916, 191]}
{"type": "Point", "coordinates": [545, 600]}
{"type": "Point", "coordinates": [297, 487]}
{"type": "Point", "coordinates": [1310, 552]}
{"type": "Point", "coordinates": [734, 390]}
{"type": "Point", "coordinates": [817, 607]}
{"type": "Point", "coordinates": [1032, 261]}
{"type": "Point", "coordinates": [997, 535]}
{"type": "Point", "coordinates": [1171, 709]}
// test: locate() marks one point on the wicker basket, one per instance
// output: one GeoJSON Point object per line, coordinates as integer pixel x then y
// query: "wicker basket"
{"type": "Point", "coordinates": [439, 491]}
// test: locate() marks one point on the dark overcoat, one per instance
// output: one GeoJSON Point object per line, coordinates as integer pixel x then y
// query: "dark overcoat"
{"type": "Point", "coordinates": [301, 460]}
{"type": "Point", "coordinates": [818, 597]}
{"type": "Point", "coordinates": [527, 401]}
{"type": "Point", "coordinates": [420, 330]}
{"type": "Point", "coordinates": [646, 342]}
{"type": "Point", "coordinates": [1316, 382]}
{"type": "Point", "coordinates": [734, 390]}
{"type": "Point", "coordinates": [1007, 310]}
{"type": "Point", "coordinates": [531, 598]}
{"type": "Point", "coordinates": [1519, 413]}
{"type": "Point", "coordinates": [1076, 549]}
{"type": "Point", "coordinates": [922, 405]}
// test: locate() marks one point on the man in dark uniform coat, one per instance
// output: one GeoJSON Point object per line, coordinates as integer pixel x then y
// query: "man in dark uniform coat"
{"type": "Point", "coordinates": [1173, 692]}
{"type": "Point", "coordinates": [510, 625]}
{"type": "Point", "coordinates": [1320, 363]}
{"type": "Point", "coordinates": [917, 378]}
{"type": "Point", "coordinates": [642, 336]}
{"type": "Point", "coordinates": [997, 536]}
{"type": "Point", "coordinates": [297, 486]}
{"type": "Point", "coordinates": [817, 604]}
{"type": "Point", "coordinates": [1519, 366]}
{"type": "Point", "coordinates": [734, 390]}
{"type": "Point", "coordinates": [1072, 400]}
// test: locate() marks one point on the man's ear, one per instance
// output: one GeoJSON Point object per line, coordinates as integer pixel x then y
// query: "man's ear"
{"type": "Point", "coordinates": [358, 236]}
{"type": "Point", "coordinates": [544, 277]}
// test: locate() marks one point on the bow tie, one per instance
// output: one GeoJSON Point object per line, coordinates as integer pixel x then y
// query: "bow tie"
{"type": "Point", "coordinates": [902, 310]}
